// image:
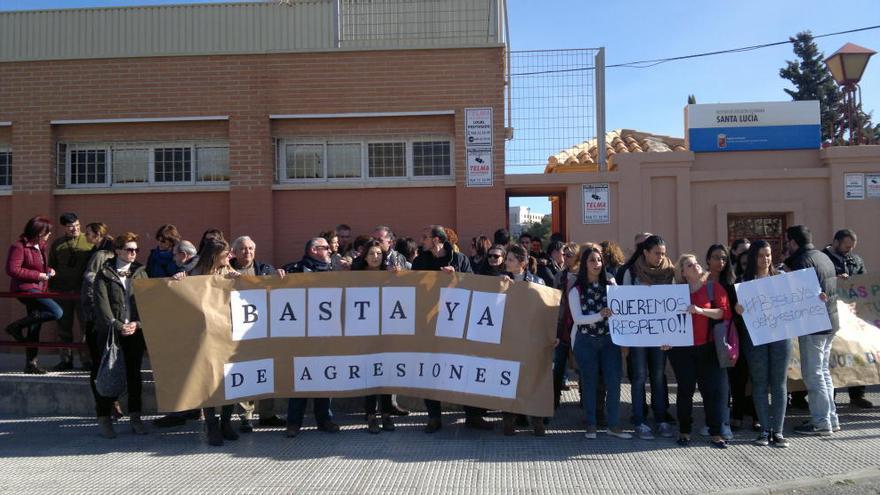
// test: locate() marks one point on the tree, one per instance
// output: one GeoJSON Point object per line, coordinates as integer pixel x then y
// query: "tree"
{"type": "Point", "coordinates": [692, 100]}
{"type": "Point", "coordinates": [812, 81]}
{"type": "Point", "coordinates": [540, 230]}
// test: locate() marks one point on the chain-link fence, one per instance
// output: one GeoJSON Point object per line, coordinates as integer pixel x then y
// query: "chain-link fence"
{"type": "Point", "coordinates": [551, 105]}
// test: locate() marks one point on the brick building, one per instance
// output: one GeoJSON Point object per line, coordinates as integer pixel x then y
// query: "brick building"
{"type": "Point", "coordinates": [276, 121]}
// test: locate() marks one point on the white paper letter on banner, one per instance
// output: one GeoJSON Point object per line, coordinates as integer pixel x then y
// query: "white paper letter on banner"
{"type": "Point", "coordinates": [398, 310]}
{"type": "Point", "coordinates": [248, 378]}
{"type": "Point", "coordinates": [361, 311]}
{"type": "Point", "coordinates": [288, 312]}
{"type": "Point", "coordinates": [249, 314]}
{"type": "Point", "coordinates": [325, 313]}
{"type": "Point", "coordinates": [452, 312]}
{"type": "Point", "coordinates": [487, 317]}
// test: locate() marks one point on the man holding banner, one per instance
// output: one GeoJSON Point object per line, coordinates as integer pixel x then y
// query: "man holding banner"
{"type": "Point", "coordinates": [815, 349]}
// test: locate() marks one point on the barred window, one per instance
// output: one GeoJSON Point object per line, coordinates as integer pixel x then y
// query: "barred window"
{"type": "Point", "coordinates": [145, 164]}
{"type": "Point", "coordinates": [172, 164]}
{"type": "Point", "coordinates": [431, 158]}
{"type": "Point", "coordinates": [344, 160]}
{"type": "Point", "coordinates": [387, 159]}
{"type": "Point", "coordinates": [305, 161]}
{"type": "Point", "coordinates": [5, 168]}
{"type": "Point", "coordinates": [88, 166]}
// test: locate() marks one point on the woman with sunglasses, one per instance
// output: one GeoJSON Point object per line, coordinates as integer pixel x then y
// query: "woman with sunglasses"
{"type": "Point", "coordinates": [214, 260]}
{"type": "Point", "coordinates": [161, 260]}
{"type": "Point", "coordinates": [493, 264]}
{"type": "Point", "coordinates": [117, 312]}
{"type": "Point", "coordinates": [698, 363]}
{"type": "Point", "coordinates": [29, 271]}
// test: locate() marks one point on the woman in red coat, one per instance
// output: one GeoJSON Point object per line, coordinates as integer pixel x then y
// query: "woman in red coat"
{"type": "Point", "coordinates": [29, 272]}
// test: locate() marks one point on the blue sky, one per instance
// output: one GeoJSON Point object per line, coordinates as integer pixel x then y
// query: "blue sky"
{"type": "Point", "coordinates": [652, 99]}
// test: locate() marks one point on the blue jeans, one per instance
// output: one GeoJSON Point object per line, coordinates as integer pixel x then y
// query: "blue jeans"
{"type": "Point", "coordinates": [768, 366]}
{"type": "Point", "coordinates": [593, 354]}
{"type": "Point", "coordinates": [38, 311]}
{"type": "Point", "coordinates": [296, 410]}
{"type": "Point", "coordinates": [645, 361]}
{"type": "Point", "coordinates": [815, 361]}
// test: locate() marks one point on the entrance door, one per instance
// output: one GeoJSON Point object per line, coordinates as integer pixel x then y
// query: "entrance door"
{"type": "Point", "coordinates": [753, 226]}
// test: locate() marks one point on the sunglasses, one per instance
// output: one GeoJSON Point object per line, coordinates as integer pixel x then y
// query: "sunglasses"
{"type": "Point", "coordinates": [568, 255]}
{"type": "Point", "coordinates": [131, 250]}
{"type": "Point", "coordinates": [495, 256]}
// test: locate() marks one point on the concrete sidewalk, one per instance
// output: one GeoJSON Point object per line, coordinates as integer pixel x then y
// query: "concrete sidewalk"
{"type": "Point", "coordinates": [64, 454]}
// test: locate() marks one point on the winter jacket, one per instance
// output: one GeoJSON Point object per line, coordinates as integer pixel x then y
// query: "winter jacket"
{"type": "Point", "coordinates": [24, 264]}
{"type": "Point", "coordinates": [69, 257]}
{"type": "Point", "coordinates": [808, 256]}
{"type": "Point", "coordinates": [548, 272]}
{"type": "Point", "coordinates": [260, 269]}
{"type": "Point", "coordinates": [308, 264]}
{"type": "Point", "coordinates": [114, 303]}
{"type": "Point", "coordinates": [528, 277]}
{"type": "Point", "coordinates": [87, 292]}
{"type": "Point", "coordinates": [850, 263]}
{"type": "Point", "coordinates": [427, 261]}
{"type": "Point", "coordinates": [161, 263]}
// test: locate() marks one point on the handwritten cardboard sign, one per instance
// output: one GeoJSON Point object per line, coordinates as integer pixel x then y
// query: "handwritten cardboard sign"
{"type": "Point", "coordinates": [650, 316]}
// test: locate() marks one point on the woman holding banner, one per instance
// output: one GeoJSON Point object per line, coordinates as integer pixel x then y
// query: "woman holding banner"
{"type": "Point", "coordinates": [375, 259]}
{"type": "Point", "coordinates": [517, 262]}
{"type": "Point", "coordinates": [493, 264]}
{"type": "Point", "coordinates": [591, 340]}
{"type": "Point", "coordinates": [698, 363]}
{"type": "Point", "coordinates": [214, 260]}
{"type": "Point", "coordinates": [649, 265]}
{"type": "Point", "coordinates": [768, 363]}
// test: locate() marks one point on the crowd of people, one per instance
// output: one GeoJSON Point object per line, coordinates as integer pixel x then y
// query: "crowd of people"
{"type": "Point", "coordinates": [101, 268]}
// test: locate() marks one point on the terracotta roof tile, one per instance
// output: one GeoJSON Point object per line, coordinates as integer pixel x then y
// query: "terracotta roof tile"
{"type": "Point", "coordinates": [617, 141]}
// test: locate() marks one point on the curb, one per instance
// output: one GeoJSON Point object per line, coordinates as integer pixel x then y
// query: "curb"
{"type": "Point", "coordinates": [787, 487]}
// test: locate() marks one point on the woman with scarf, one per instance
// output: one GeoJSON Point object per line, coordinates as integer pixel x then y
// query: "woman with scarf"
{"type": "Point", "coordinates": [493, 264]}
{"type": "Point", "coordinates": [214, 260]}
{"type": "Point", "coordinates": [516, 263]}
{"type": "Point", "coordinates": [649, 265]}
{"type": "Point", "coordinates": [116, 311]}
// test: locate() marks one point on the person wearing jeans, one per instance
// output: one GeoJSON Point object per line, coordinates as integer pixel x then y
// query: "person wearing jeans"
{"type": "Point", "coordinates": [815, 349]}
{"type": "Point", "coordinates": [591, 341]}
{"type": "Point", "coordinates": [768, 363]}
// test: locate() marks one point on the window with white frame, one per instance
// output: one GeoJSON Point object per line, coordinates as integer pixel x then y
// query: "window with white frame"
{"type": "Point", "coordinates": [145, 164]}
{"type": "Point", "coordinates": [5, 167]}
{"type": "Point", "coordinates": [364, 159]}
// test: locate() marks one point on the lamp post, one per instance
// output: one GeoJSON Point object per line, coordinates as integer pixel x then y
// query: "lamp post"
{"type": "Point", "coordinates": [847, 66]}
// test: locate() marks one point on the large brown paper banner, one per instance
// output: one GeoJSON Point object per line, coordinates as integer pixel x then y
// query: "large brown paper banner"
{"type": "Point", "coordinates": [465, 339]}
{"type": "Point", "coordinates": [855, 351]}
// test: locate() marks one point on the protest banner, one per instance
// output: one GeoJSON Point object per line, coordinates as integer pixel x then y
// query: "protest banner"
{"type": "Point", "coordinates": [467, 339]}
{"type": "Point", "coordinates": [855, 350]}
{"type": "Point", "coordinates": [650, 316]}
{"type": "Point", "coordinates": [783, 306]}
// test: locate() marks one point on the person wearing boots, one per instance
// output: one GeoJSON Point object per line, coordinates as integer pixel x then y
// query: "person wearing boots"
{"type": "Point", "coordinates": [29, 271]}
{"type": "Point", "coordinates": [69, 256]}
{"type": "Point", "coordinates": [117, 312]}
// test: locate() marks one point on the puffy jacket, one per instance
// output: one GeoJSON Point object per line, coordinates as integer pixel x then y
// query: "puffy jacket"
{"type": "Point", "coordinates": [114, 304]}
{"type": "Point", "coordinates": [161, 264]}
{"type": "Point", "coordinates": [808, 256]}
{"type": "Point", "coordinates": [24, 264]}
{"type": "Point", "coordinates": [308, 264]}
{"type": "Point", "coordinates": [427, 261]}
{"type": "Point", "coordinates": [850, 263]}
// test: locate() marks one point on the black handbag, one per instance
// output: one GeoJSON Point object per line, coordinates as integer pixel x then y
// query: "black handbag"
{"type": "Point", "coordinates": [111, 381]}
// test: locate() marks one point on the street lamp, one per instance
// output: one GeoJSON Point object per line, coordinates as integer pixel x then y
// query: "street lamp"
{"type": "Point", "coordinates": [847, 66]}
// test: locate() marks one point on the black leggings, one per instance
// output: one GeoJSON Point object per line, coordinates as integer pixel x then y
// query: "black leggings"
{"type": "Point", "coordinates": [693, 365]}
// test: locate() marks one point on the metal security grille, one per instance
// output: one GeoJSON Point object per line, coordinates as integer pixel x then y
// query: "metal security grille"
{"type": "Point", "coordinates": [172, 164]}
{"type": "Point", "coordinates": [551, 104]}
{"type": "Point", "coordinates": [88, 166]}
{"type": "Point", "coordinates": [431, 158]}
{"type": "Point", "coordinates": [387, 159]}
{"type": "Point", "coordinates": [5, 168]}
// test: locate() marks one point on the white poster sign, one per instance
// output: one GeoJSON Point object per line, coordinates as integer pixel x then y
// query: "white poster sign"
{"type": "Point", "coordinates": [650, 316]}
{"type": "Point", "coordinates": [854, 186]}
{"type": "Point", "coordinates": [249, 314]}
{"type": "Point", "coordinates": [479, 167]}
{"type": "Point", "coordinates": [596, 206]}
{"type": "Point", "coordinates": [478, 127]}
{"type": "Point", "coordinates": [248, 378]}
{"type": "Point", "coordinates": [872, 185]}
{"type": "Point", "coordinates": [783, 306]}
